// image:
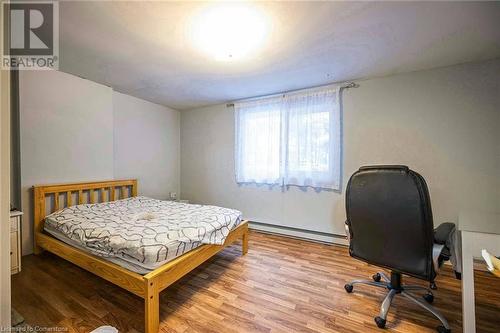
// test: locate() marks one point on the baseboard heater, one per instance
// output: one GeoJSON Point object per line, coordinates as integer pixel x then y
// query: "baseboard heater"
{"type": "Point", "coordinates": [317, 236]}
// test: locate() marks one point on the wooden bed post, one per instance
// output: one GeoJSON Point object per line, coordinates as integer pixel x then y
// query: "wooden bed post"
{"type": "Point", "coordinates": [134, 188]}
{"type": "Point", "coordinates": [244, 242]}
{"type": "Point", "coordinates": [38, 216]}
{"type": "Point", "coordinates": [152, 306]}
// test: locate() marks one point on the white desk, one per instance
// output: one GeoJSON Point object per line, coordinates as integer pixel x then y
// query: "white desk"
{"type": "Point", "coordinates": [477, 231]}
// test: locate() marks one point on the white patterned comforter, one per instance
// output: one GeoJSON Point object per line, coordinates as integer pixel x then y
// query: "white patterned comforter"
{"type": "Point", "coordinates": [142, 230]}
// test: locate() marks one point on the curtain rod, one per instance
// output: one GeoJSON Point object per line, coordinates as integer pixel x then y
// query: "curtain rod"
{"type": "Point", "coordinates": [346, 85]}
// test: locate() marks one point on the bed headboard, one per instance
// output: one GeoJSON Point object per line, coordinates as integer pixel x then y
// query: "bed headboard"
{"type": "Point", "coordinates": [50, 198]}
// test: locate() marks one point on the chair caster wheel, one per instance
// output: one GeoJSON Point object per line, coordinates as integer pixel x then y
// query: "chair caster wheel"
{"type": "Point", "coordinates": [348, 287]}
{"type": "Point", "coordinates": [380, 322]}
{"type": "Point", "coordinates": [376, 277]}
{"type": "Point", "coordinates": [429, 298]}
{"type": "Point", "coordinates": [442, 329]}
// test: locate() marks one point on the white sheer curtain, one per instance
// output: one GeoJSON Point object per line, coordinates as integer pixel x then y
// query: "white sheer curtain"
{"type": "Point", "coordinates": [312, 139]}
{"type": "Point", "coordinates": [292, 139]}
{"type": "Point", "coordinates": [258, 141]}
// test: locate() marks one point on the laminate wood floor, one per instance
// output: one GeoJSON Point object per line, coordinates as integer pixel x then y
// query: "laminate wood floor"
{"type": "Point", "coordinates": [281, 285]}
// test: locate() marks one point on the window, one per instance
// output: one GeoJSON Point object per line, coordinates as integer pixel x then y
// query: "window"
{"type": "Point", "coordinates": [292, 139]}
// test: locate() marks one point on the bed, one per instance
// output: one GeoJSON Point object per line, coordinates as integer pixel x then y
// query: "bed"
{"type": "Point", "coordinates": [105, 228]}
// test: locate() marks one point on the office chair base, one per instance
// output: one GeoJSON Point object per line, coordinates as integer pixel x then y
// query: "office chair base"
{"type": "Point", "coordinates": [442, 329]}
{"type": "Point", "coordinates": [395, 287]}
{"type": "Point", "coordinates": [429, 298]}
{"type": "Point", "coordinates": [380, 322]}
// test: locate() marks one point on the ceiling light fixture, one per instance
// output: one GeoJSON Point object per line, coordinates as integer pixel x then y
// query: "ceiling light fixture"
{"type": "Point", "coordinates": [229, 31]}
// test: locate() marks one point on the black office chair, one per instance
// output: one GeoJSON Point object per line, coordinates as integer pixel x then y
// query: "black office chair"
{"type": "Point", "coordinates": [389, 224]}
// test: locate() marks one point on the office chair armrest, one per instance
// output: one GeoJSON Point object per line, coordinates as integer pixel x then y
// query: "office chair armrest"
{"type": "Point", "coordinates": [442, 232]}
{"type": "Point", "coordinates": [347, 231]}
{"type": "Point", "coordinates": [444, 245]}
{"type": "Point", "coordinates": [436, 254]}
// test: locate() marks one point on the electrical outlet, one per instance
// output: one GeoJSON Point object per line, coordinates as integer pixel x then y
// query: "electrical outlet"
{"type": "Point", "coordinates": [173, 195]}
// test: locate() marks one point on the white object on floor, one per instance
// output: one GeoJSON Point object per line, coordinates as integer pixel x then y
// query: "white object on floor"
{"type": "Point", "coordinates": [492, 262]}
{"type": "Point", "coordinates": [487, 259]}
{"type": "Point", "coordinates": [105, 329]}
{"type": "Point", "coordinates": [477, 231]}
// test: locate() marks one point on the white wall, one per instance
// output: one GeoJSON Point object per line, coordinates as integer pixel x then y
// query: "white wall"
{"type": "Point", "coordinates": [443, 123]}
{"type": "Point", "coordinates": [66, 134]}
{"type": "Point", "coordinates": [146, 145]}
{"type": "Point", "coordinates": [73, 130]}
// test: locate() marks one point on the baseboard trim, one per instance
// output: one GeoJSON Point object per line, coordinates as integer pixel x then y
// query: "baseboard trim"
{"type": "Point", "coordinates": [311, 235]}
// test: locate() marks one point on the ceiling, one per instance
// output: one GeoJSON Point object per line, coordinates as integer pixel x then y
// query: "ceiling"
{"type": "Point", "coordinates": [142, 48]}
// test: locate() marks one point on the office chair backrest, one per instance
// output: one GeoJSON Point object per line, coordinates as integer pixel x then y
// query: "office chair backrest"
{"type": "Point", "coordinates": [390, 219]}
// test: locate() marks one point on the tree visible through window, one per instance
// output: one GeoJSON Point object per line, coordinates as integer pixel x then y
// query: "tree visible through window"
{"type": "Point", "coordinates": [292, 139]}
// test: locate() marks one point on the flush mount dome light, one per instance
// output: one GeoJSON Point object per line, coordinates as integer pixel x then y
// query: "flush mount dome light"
{"type": "Point", "coordinates": [229, 31]}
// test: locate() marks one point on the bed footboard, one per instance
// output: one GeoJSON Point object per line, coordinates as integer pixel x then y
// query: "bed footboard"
{"type": "Point", "coordinates": [164, 276]}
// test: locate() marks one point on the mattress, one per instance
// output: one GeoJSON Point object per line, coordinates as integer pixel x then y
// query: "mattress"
{"type": "Point", "coordinates": [141, 233]}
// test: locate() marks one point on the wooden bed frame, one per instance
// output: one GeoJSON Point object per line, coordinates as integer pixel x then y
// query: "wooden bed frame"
{"type": "Point", "coordinates": [146, 286]}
